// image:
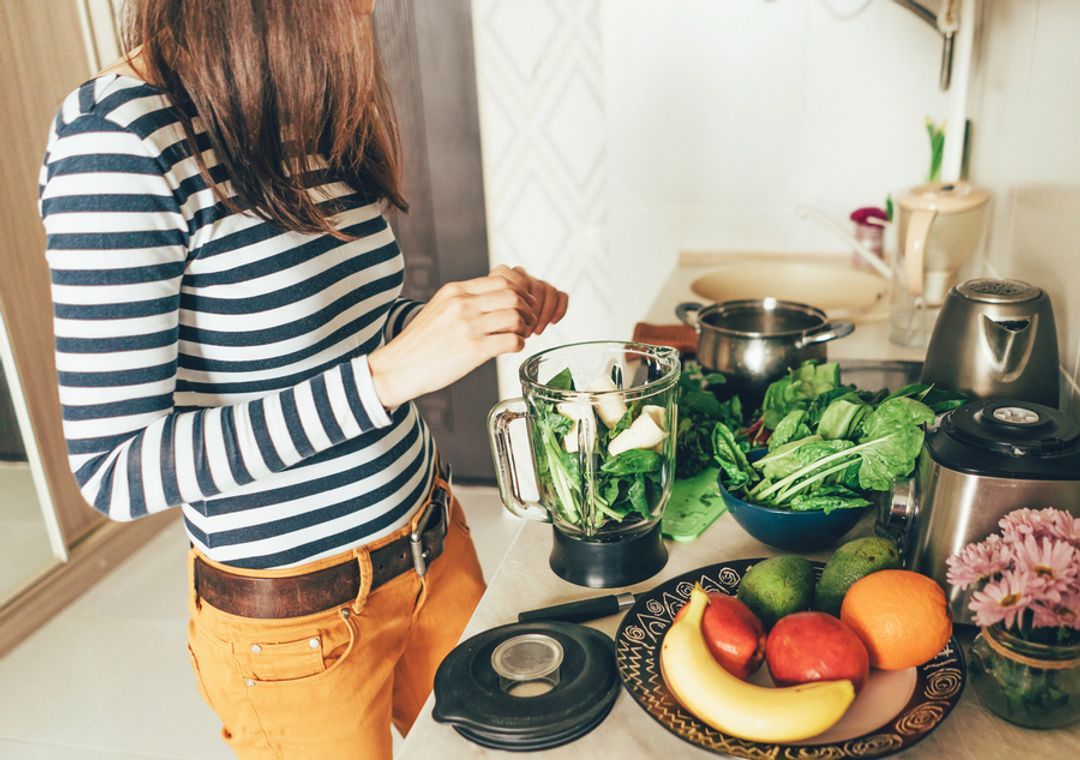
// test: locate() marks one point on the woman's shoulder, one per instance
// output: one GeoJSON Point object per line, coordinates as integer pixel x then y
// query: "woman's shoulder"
{"type": "Point", "coordinates": [117, 97]}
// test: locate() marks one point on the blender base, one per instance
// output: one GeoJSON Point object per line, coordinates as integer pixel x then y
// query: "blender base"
{"type": "Point", "coordinates": [608, 565]}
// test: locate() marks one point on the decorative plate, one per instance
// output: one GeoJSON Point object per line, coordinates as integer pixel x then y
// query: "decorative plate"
{"type": "Point", "coordinates": [894, 711]}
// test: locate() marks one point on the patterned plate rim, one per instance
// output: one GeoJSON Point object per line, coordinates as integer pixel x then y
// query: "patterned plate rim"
{"type": "Point", "coordinates": [938, 683]}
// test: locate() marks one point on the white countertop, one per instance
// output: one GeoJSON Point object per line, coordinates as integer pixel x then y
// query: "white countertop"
{"type": "Point", "coordinates": [524, 582]}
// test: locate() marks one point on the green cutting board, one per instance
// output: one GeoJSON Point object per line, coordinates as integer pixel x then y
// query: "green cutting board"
{"type": "Point", "coordinates": [694, 505]}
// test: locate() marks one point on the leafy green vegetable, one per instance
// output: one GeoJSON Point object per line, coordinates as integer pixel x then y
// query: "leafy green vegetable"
{"type": "Point", "coordinates": [632, 462]}
{"type": "Point", "coordinates": [791, 428]}
{"type": "Point", "coordinates": [796, 455]}
{"type": "Point", "coordinates": [821, 403]}
{"type": "Point", "coordinates": [627, 419]}
{"type": "Point", "coordinates": [564, 381]}
{"type": "Point", "coordinates": [891, 441]}
{"type": "Point", "coordinates": [938, 399]}
{"type": "Point", "coordinates": [556, 466]}
{"type": "Point", "coordinates": [796, 391]}
{"type": "Point", "coordinates": [699, 410]}
{"type": "Point", "coordinates": [828, 499]}
{"type": "Point", "coordinates": [841, 419]}
{"type": "Point", "coordinates": [737, 470]}
{"type": "Point", "coordinates": [625, 485]}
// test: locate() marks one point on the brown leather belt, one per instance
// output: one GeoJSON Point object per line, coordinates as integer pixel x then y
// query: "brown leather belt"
{"type": "Point", "coordinates": [331, 587]}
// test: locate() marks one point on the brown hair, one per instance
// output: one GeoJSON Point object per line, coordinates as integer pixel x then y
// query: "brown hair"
{"type": "Point", "coordinates": [274, 84]}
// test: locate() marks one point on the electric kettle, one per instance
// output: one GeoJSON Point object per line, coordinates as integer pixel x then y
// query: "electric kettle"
{"type": "Point", "coordinates": [941, 225]}
{"type": "Point", "coordinates": [995, 339]}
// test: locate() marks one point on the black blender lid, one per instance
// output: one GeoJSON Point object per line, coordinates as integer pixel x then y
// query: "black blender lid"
{"type": "Point", "coordinates": [1008, 438]}
{"type": "Point", "coordinates": [472, 697]}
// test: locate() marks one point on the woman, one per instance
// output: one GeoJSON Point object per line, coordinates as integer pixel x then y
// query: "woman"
{"type": "Point", "coordinates": [231, 341]}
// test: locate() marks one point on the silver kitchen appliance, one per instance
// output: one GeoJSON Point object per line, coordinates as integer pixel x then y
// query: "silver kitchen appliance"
{"type": "Point", "coordinates": [982, 461]}
{"type": "Point", "coordinates": [996, 339]}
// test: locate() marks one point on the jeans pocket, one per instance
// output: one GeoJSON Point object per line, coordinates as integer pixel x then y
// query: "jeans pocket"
{"type": "Point", "coordinates": [309, 660]}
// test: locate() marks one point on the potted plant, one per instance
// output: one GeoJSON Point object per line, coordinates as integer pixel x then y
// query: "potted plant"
{"type": "Point", "coordinates": [1025, 583]}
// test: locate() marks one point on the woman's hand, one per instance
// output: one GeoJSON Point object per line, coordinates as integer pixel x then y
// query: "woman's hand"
{"type": "Point", "coordinates": [463, 325]}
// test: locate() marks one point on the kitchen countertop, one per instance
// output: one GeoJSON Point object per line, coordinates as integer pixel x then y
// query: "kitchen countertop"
{"type": "Point", "coordinates": [524, 582]}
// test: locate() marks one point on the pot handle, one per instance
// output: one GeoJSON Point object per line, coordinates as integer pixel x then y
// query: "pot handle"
{"type": "Point", "coordinates": [831, 332]}
{"type": "Point", "coordinates": [502, 451]}
{"type": "Point", "coordinates": [688, 314]}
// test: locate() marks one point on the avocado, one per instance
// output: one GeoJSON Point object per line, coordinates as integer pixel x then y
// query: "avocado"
{"type": "Point", "coordinates": [852, 561]}
{"type": "Point", "coordinates": [777, 587]}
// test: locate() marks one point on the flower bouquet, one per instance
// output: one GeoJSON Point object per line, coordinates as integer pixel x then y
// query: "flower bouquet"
{"type": "Point", "coordinates": [1025, 594]}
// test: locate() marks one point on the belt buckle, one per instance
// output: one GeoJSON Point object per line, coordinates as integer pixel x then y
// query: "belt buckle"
{"type": "Point", "coordinates": [439, 499]}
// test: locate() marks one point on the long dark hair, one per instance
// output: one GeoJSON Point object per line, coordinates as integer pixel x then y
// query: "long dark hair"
{"type": "Point", "coordinates": [276, 83]}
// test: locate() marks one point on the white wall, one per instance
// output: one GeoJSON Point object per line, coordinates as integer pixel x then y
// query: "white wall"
{"type": "Point", "coordinates": [618, 132]}
{"type": "Point", "coordinates": [1026, 113]}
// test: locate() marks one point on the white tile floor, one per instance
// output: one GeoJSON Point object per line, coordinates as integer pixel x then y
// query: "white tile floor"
{"type": "Point", "coordinates": [109, 677]}
{"type": "Point", "coordinates": [25, 551]}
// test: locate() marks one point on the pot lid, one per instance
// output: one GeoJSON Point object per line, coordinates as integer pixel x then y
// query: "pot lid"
{"type": "Point", "coordinates": [1008, 438]}
{"type": "Point", "coordinates": [989, 290]}
{"type": "Point", "coordinates": [944, 197]}
{"type": "Point", "coordinates": [527, 686]}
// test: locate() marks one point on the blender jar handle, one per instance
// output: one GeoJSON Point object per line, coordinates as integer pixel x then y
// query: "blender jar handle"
{"type": "Point", "coordinates": [502, 451]}
{"type": "Point", "coordinates": [918, 228]}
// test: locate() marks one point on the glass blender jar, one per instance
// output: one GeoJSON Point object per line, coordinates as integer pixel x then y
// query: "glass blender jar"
{"type": "Point", "coordinates": [601, 420]}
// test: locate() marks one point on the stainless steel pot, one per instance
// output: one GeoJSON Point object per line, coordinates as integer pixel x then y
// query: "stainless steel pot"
{"type": "Point", "coordinates": [754, 342]}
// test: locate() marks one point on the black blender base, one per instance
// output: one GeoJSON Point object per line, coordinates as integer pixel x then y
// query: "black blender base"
{"type": "Point", "coordinates": [608, 565]}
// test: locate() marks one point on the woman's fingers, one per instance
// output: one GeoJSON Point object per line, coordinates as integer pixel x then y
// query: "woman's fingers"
{"type": "Point", "coordinates": [549, 302]}
{"type": "Point", "coordinates": [500, 300]}
{"type": "Point", "coordinates": [503, 321]}
{"type": "Point", "coordinates": [560, 309]}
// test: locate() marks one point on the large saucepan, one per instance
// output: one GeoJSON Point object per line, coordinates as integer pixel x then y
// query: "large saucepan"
{"type": "Point", "coordinates": [754, 342]}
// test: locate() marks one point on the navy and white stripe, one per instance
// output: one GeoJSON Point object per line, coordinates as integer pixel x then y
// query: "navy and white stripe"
{"type": "Point", "coordinates": [211, 361]}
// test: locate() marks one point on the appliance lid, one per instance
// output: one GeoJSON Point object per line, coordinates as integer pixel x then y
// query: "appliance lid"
{"type": "Point", "coordinates": [989, 290]}
{"type": "Point", "coordinates": [483, 688]}
{"type": "Point", "coordinates": [1008, 438]}
{"type": "Point", "coordinates": [944, 197]}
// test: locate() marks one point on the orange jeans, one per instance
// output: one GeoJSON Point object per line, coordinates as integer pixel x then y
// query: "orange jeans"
{"type": "Point", "coordinates": [328, 685]}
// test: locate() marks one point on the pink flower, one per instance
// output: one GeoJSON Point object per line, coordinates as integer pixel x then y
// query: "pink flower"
{"type": "Point", "coordinates": [1053, 564]}
{"type": "Point", "coordinates": [1002, 600]}
{"type": "Point", "coordinates": [978, 562]}
{"type": "Point", "coordinates": [1040, 523]}
{"type": "Point", "coordinates": [1063, 614]}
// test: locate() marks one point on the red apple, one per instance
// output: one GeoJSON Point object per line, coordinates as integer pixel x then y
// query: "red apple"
{"type": "Point", "coordinates": [734, 635]}
{"type": "Point", "coordinates": [815, 646]}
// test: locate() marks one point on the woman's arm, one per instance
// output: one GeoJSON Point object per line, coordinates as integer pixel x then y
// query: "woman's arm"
{"type": "Point", "coordinates": [116, 252]}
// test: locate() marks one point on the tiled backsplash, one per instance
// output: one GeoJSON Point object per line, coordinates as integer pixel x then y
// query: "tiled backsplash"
{"type": "Point", "coordinates": [619, 132]}
{"type": "Point", "coordinates": [1025, 116]}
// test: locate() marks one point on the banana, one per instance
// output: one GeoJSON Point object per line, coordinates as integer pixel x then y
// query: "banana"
{"type": "Point", "coordinates": [734, 706]}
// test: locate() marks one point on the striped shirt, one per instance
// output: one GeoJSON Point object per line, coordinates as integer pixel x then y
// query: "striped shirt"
{"type": "Point", "coordinates": [211, 361]}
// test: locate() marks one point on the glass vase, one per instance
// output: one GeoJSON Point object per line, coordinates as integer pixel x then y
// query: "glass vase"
{"type": "Point", "coordinates": [1027, 683]}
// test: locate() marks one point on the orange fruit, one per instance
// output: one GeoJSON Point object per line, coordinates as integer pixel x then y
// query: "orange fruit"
{"type": "Point", "coordinates": [900, 615]}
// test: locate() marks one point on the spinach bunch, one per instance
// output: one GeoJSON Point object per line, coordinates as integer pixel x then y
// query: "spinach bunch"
{"type": "Point", "coordinates": [699, 411]}
{"type": "Point", "coordinates": [939, 400]}
{"type": "Point", "coordinates": [814, 472]}
{"type": "Point", "coordinates": [627, 484]}
{"type": "Point", "coordinates": [796, 391]}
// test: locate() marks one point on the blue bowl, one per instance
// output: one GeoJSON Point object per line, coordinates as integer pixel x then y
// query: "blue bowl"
{"type": "Point", "coordinates": [788, 530]}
